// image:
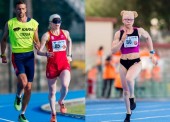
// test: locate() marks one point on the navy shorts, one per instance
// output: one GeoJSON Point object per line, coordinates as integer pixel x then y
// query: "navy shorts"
{"type": "Point", "coordinates": [24, 63]}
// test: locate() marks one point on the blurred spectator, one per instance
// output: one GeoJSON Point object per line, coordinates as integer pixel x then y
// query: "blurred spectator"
{"type": "Point", "coordinates": [145, 74]}
{"type": "Point", "coordinates": [91, 82]}
{"type": "Point", "coordinates": [117, 82]}
{"type": "Point", "coordinates": [100, 54]}
{"type": "Point", "coordinates": [118, 86]}
{"type": "Point", "coordinates": [156, 75]}
{"type": "Point", "coordinates": [156, 71]}
{"type": "Point", "coordinates": [148, 73]}
{"type": "Point", "coordinates": [109, 74]}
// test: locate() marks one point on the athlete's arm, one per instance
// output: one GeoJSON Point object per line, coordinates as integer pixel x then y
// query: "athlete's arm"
{"type": "Point", "coordinates": [145, 34]}
{"type": "Point", "coordinates": [116, 44]}
{"type": "Point", "coordinates": [44, 39]}
{"type": "Point", "coordinates": [36, 39]}
{"type": "Point", "coordinates": [4, 43]}
{"type": "Point", "coordinates": [69, 49]}
{"type": "Point", "coordinates": [69, 43]}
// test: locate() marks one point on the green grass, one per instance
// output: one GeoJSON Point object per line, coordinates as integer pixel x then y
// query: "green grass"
{"type": "Point", "coordinates": [73, 107]}
{"type": "Point", "coordinates": [76, 109]}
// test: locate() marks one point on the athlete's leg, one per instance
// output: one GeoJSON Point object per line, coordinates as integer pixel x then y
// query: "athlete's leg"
{"type": "Point", "coordinates": [26, 97]}
{"type": "Point", "coordinates": [51, 96]}
{"type": "Point", "coordinates": [65, 81]}
{"type": "Point", "coordinates": [131, 75]}
{"type": "Point", "coordinates": [28, 78]}
{"type": "Point", "coordinates": [21, 84]}
{"type": "Point", "coordinates": [126, 93]}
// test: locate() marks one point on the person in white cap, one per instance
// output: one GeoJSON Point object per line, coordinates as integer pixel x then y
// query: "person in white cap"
{"type": "Point", "coordinates": [58, 44]}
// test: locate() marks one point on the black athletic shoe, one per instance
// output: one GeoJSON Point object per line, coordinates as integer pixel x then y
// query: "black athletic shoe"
{"type": "Point", "coordinates": [22, 118]}
{"type": "Point", "coordinates": [127, 119]}
{"type": "Point", "coordinates": [132, 103]}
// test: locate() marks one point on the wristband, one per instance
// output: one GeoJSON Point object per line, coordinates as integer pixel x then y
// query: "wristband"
{"type": "Point", "coordinates": [152, 52]}
{"type": "Point", "coordinates": [3, 55]}
{"type": "Point", "coordinates": [70, 55]}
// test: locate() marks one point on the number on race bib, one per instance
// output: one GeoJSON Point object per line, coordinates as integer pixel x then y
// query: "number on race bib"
{"type": "Point", "coordinates": [59, 45]}
{"type": "Point", "coordinates": [131, 41]}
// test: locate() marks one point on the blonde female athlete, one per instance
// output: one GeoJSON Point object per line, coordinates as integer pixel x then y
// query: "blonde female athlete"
{"type": "Point", "coordinates": [58, 44]}
{"type": "Point", "coordinates": [127, 40]}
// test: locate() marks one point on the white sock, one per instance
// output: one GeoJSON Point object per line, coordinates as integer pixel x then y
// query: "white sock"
{"type": "Point", "coordinates": [23, 112]}
{"type": "Point", "coordinates": [19, 96]}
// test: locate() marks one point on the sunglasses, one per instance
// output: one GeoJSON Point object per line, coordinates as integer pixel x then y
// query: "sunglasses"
{"type": "Point", "coordinates": [128, 19]}
{"type": "Point", "coordinates": [56, 21]}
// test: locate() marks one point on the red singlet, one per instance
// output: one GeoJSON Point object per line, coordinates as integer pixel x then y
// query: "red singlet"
{"type": "Point", "coordinates": [56, 64]}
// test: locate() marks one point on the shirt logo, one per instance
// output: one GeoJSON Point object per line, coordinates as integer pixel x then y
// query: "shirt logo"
{"type": "Point", "coordinates": [52, 37]}
{"type": "Point", "coordinates": [17, 29]}
{"type": "Point", "coordinates": [27, 29]}
{"type": "Point", "coordinates": [64, 46]}
{"type": "Point", "coordinates": [62, 36]}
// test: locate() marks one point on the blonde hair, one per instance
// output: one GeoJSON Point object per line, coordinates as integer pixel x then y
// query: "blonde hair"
{"type": "Point", "coordinates": [49, 26]}
{"type": "Point", "coordinates": [129, 12]}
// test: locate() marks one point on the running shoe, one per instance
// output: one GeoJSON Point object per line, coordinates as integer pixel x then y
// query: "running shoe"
{"type": "Point", "coordinates": [63, 109]}
{"type": "Point", "coordinates": [17, 103]}
{"type": "Point", "coordinates": [127, 119]}
{"type": "Point", "coordinates": [53, 118]}
{"type": "Point", "coordinates": [132, 103]}
{"type": "Point", "coordinates": [22, 118]}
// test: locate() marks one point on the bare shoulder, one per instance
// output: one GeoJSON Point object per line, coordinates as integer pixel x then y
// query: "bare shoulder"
{"type": "Point", "coordinates": [45, 36]}
{"type": "Point", "coordinates": [6, 29]}
{"type": "Point", "coordinates": [66, 32]}
{"type": "Point", "coordinates": [117, 35]}
{"type": "Point", "coordinates": [141, 30]}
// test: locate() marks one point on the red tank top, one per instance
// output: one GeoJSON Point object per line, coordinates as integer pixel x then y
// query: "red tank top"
{"type": "Point", "coordinates": [58, 45]}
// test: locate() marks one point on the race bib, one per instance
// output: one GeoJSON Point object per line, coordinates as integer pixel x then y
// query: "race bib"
{"type": "Point", "coordinates": [59, 45]}
{"type": "Point", "coordinates": [131, 41]}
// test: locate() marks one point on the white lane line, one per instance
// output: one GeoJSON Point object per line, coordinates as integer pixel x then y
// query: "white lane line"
{"type": "Point", "coordinates": [110, 108]}
{"type": "Point", "coordinates": [138, 118]}
{"type": "Point", "coordinates": [104, 114]}
{"type": "Point", "coordinates": [6, 120]}
{"type": "Point", "coordinates": [113, 108]}
{"type": "Point", "coordinates": [3, 106]}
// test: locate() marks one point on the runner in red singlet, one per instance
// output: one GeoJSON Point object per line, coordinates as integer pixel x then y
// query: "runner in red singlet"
{"type": "Point", "coordinates": [58, 44]}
